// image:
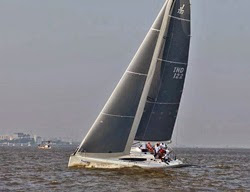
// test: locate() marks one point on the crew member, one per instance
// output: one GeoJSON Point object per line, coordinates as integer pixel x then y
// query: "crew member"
{"type": "Point", "coordinates": [150, 148]}
{"type": "Point", "coordinates": [157, 148]}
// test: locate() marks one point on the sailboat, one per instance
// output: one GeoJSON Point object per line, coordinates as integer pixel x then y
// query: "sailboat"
{"type": "Point", "coordinates": [144, 105]}
{"type": "Point", "coordinates": [44, 145]}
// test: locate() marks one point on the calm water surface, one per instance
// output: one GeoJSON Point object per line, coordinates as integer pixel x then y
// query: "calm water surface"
{"type": "Point", "coordinates": [30, 169]}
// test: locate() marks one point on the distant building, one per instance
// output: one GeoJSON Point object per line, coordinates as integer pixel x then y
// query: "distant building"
{"type": "Point", "coordinates": [6, 137]}
{"type": "Point", "coordinates": [21, 136]}
{"type": "Point", "coordinates": [23, 139]}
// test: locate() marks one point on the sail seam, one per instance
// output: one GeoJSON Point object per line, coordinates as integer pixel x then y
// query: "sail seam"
{"type": "Point", "coordinates": [153, 29]}
{"type": "Point", "coordinates": [179, 18]}
{"type": "Point", "coordinates": [122, 116]}
{"type": "Point", "coordinates": [137, 73]}
{"type": "Point", "coordinates": [175, 62]}
{"type": "Point", "coordinates": [162, 103]}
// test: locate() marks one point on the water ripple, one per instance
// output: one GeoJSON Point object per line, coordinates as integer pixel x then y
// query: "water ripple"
{"type": "Point", "coordinates": [30, 169]}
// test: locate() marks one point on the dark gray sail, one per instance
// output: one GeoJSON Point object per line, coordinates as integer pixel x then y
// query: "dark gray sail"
{"type": "Point", "coordinates": [110, 132]}
{"type": "Point", "coordinates": [160, 112]}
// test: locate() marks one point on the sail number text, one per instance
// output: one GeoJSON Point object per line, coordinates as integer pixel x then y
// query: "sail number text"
{"type": "Point", "coordinates": [178, 73]}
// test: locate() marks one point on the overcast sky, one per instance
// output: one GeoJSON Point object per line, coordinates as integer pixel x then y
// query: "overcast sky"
{"type": "Point", "coordinates": [61, 59]}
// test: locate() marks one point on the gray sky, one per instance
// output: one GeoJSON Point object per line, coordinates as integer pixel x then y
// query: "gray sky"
{"type": "Point", "coordinates": [61, 59]}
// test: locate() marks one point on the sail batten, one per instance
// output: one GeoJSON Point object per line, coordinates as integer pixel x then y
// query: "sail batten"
{"type": "Point", "coordinates": [160, 103]}
{"type": "Point", "coordinates": [135, 73]}
{"type": "Point", "coordinates": [121, 116]}
{"type": "Point", "coordinates": [157, 30]}
{"type": "Point", "coordinates": [179, 18]}
{"type": "Point", "coordinates": [170, 62]}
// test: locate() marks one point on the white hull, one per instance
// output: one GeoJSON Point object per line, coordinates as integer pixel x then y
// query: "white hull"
{"type": "Point", "coordinates": [142, 160]}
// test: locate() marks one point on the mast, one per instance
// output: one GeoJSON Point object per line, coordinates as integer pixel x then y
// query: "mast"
{"type": "Point", "coordinates": [162, 31]}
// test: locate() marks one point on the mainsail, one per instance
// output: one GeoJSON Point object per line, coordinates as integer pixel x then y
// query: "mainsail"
{"type": "Point", "coordinates": [158, 120]}
{"type": "Point", "coordinates": [116, 126]}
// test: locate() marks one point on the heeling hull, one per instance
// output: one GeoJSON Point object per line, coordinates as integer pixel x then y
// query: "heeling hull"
{"type": "Point", "coordinates": [114, 163]}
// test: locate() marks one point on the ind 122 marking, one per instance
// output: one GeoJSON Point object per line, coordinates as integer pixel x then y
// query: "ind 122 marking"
{"type": "Point", "coordinates": [178, 72]}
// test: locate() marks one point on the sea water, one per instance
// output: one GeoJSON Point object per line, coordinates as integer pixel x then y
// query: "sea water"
{"type": "Point", "coordinates": [31, 169]}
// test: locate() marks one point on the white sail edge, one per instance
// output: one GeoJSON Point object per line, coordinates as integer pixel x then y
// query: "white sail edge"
{"type": "Point", "coordinates": [139, 112]}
